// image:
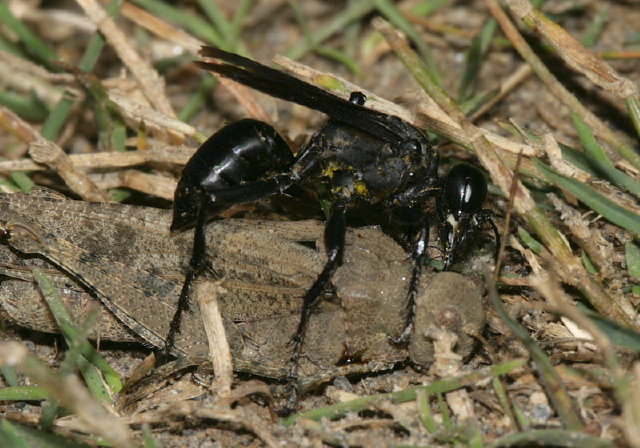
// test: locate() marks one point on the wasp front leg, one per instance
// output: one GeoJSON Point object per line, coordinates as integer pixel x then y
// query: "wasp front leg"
{"type": "Point", "coordinates": [334, 241]}
{"type": "Point", "coordinates": [418, 254]}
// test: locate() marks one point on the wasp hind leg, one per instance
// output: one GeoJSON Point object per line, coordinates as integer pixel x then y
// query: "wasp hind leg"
{"type": "Point", "coordinates": [219, 199]}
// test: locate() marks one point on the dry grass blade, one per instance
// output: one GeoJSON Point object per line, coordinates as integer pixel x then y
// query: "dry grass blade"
{"type": "Point", "coordinates": [207, 296]}
{"type": "Point", "coordinates": [48, 153]}
{"type": "Point", "coordinates": [157, 152]}
{"type": "Point", "coordinates": [573, 53]}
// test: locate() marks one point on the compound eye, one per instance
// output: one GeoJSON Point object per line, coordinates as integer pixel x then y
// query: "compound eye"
{"type": "Point", "coordinates": [358, 98]}
{"type": "Point", "coordinates": [411, 146]}
{"type": "Point", "coordinates": [465, 190]}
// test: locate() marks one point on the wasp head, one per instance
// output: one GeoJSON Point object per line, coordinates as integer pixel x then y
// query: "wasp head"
{"type": "Point", "coordinates": [463, 195]}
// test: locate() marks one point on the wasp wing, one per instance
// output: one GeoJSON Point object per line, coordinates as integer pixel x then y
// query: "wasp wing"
{"type": "Point", "coordinates": [281, 85]}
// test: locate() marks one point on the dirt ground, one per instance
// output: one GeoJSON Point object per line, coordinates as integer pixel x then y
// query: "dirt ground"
{"type": "Point", "coordinates": [526, 401]}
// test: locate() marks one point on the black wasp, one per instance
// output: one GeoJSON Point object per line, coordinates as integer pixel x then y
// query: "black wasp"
{"type": "Point", "coordinates": [360, 160]}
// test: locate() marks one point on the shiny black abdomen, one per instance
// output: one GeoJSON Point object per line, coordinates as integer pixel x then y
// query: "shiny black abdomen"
{"type": "Point", "coordinates": [242, 152]}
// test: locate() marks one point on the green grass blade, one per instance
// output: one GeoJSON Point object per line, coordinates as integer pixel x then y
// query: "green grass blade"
{"type": "Point", "coordinates": [71, 333]}
{"type": "Point", "coordinates": [444, 411]}
{"type": "Point", "coordinates": [10, 47]}
{"type": "Point", "coordinates": [632, 253]}
{"type": "Point", "coordinates": [310, 37]}
{"type": "Point", "coordinates": [37, 47]}
{"type": "Point", "coordinates": [97, 42]}
{"type": "Point", "coordinates": [49, 413]}
{"type": "Point", "coordinates": [594, 31]}
{"type": "Point", "coordinates": [390, 11]}
{"type": "Point", "coordinates": [57, 117]}
{"type": "Point", "coordinates": [149, 442]}
{"type": "Point", "coordinates": [11, 437]}
{"type": "Point", "coordinates": [474, 435]}
{"type": "Point", "coordinates": [187, 20]}
{"type": "Point", "coordinates": [504, 400]}
{"type": "Point", "coordinates": [594, 168]}
{"type": "Point", "coordinates": [474, 58]}
{"type": "Point", "coordinates": [14, 435]}
{"type": "Point", "coordinates": [23, 393]}
{"type": "Point", "coordinates": [530, 241]}
{"type": "Point", "coordinates": [59, 114]}
{"type": "Point", "coordinates": [424, 409]}
{"type": "Point", "coordinates": [471, 105]}
{"type": "Point", "coordinates": [633, 107]}
{"type": "Point", "coordinates": [608, 209]}
{"type": "Point", "coordinates": [234, 42]}
{"type": "Point", "coordinates": [548, 375]}
{"type": "Point", "coordinates": [617, 334]}
{"type": "Point", "coordinates": [438, 387]}
{"type": "Point", "coordinates": [589, 142]}
{"type": "Point", "coordinates": [599, 163]}
{"type": "Point", "coordinates": [353, 12]}
{"type": "Point", "coordinates": [31, 108]}
{"type": "Point", "coordinates": [197, 101]}
{"type": "Point", "coordinates": [10, 375]}
{"type": "Point", "coordinates": [427, 7]}
{"type": "Point", "coordinates": [22, 180]}
{"type": "Point", "coordinates": [596, 164]}
{"type": "Point", "coordinates": [216, 17]}
{"type": "Point", "coordinates": [619, 179]}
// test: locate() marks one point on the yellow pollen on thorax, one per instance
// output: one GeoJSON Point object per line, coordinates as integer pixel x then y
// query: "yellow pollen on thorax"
{"type": "Point", "coordinates": [361, 188]}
